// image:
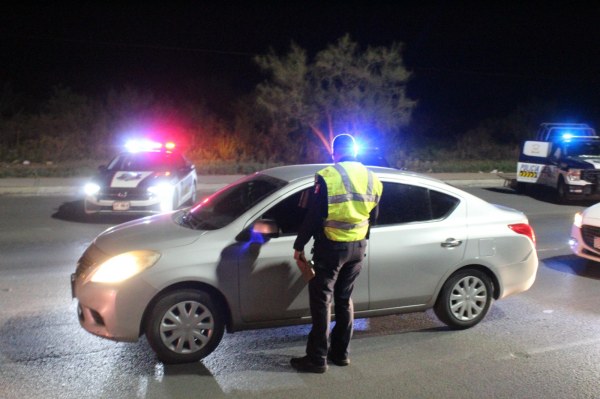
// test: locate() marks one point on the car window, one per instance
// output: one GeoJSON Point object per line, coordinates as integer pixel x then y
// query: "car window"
{"type": "Point", "coordinates": [289, 213]}
{"type": "Point", "coordinates": [442, 204]}
{"type": "Point", "coordinates": [226, 205]}
{"type": "Point", "coordinates": [589, 148]}
{"type": "Point", "coordinates": [146, 161]}
{"type": "Point", "coordinates": [405, 203]}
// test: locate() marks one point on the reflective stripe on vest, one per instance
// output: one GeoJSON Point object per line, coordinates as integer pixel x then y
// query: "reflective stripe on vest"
{"type": "Point", "coordinates": [349, 201]}
{"type": "Point", "coordinates": [351, 194]}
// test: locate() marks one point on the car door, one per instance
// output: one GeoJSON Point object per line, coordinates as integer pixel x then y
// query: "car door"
{"type": "Point", "coordinates": [185, 174]}
{"type": "Point", "coordinates": [551, 171]}
{"type": "Point", "coordinates": [271, 285]}
{"type": "Point", "coordinates": [419, 235]}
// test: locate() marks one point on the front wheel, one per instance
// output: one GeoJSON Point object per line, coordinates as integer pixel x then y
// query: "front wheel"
{"type": "Point", "coordinates": [521, 187]}
{"type": "Point", "coordinates": [184, 326]}
{"type": "Point", "coordinates": [561, 192]}
{"type": "Point", "coordinates": [465, 299]}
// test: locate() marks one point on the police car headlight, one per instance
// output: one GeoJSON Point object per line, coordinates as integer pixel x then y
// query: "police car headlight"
{"type": "Point", "coordinates": [164, 193]}
{"type": "Point", "coordinates": [91, 189]}
{"type": "Point", "coordinates": [163, 190]}
{"type": "Point", "coordinates": [121, 267]}
{"type": "Point", "coordinates": [574, 174]}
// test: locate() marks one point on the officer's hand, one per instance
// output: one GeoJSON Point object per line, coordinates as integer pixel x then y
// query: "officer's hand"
{"type": "Point", "coordinates": [299, 255]}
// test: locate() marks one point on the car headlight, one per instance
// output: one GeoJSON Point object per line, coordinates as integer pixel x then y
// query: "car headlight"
{"type": "Point", "coordinates": [578, 219]}
{"type": "Point", "coordinates": [161, 189]}
{"type": "Point", "coordinates": [574, 174]}
{"type": "Point", "coordinates": [123, 266]}
{"type": "Point", "coordinates": [91, 189]}
{"type": "Point", "coordinates": [164, 190]}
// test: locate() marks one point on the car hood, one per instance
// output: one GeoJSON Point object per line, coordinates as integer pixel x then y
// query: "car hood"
{"type": "Point", "coordinates": [127, 179]}
{"type": "Point", "coordinates": [154, 232]}
{"type": "Point", "coordinates": [583, 162]}
{"type": "Point", "coordinates": [592, 213]}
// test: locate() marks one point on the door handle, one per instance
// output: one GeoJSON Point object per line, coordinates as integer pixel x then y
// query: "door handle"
{"type": "Point", "coordinates": [451, 243]}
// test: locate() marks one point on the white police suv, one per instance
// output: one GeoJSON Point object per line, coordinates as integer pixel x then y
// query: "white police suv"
{"type": "Point", "coordinates": [149, 177]}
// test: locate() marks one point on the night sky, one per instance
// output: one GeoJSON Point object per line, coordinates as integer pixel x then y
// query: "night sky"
{"type": "Point", "coordinates": [469, 61]}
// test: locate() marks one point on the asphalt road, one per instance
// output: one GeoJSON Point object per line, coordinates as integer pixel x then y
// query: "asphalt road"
{"type": "Point", "coordinates": [542, 343]}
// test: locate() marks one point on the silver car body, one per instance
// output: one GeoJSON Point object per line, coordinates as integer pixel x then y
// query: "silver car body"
{"type": "Point", "coordinates": [259, 283]}
{"type": "Point", "coordinates": [585, 234]}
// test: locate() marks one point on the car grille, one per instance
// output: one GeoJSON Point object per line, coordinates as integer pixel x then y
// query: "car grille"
{"type": "Point", "coordinates": [591, 175]}
{"type": "Point", "coordinates": [90, 258]}
{"type": "Point", "coordinates": [588, 233]}
{"type": "Point", "coordinates": [124, 194]}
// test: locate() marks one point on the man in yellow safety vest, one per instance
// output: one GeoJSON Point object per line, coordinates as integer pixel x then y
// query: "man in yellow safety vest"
{"type": "Point", "coordinates": [343, 206]}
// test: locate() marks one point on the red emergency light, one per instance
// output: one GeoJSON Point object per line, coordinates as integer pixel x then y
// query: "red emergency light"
{"type": "Point", "coordinates": [148, 145]}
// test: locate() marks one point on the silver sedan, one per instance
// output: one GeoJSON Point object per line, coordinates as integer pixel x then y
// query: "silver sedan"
{"type": "Point", "coordinates": [183, 278]}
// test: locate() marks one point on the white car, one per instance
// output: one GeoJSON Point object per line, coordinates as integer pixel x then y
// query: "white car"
{"type": "Point", "coordinates": [182, 278]}
{"type": "Point", "coordinates": [147, 178]}
{"type": "Point", "coordinates": [585, 233]}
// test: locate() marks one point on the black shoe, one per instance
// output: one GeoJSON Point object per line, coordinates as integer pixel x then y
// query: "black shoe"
{"type": "Point", "coordinates": [338, 361]}
{"type": "Point", "coordinates": [305, 365]}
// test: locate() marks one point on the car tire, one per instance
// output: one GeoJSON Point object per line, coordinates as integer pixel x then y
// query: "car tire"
{"type": "Point", "coordinates": [561, 192]}
{"type": "Point", "coordinates": [465, 299]}
{"type": "Point", "coordinates": [184, 326]}
{"type": "Point", "coordinates": [522, 188]}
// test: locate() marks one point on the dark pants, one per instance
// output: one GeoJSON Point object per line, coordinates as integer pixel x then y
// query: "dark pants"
{"type": "Point", "coordinates": [337, 265]}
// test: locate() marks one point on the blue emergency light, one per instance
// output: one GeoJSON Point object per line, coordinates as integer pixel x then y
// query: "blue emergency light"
{"type": "Point", "coordinates": [567, 135]}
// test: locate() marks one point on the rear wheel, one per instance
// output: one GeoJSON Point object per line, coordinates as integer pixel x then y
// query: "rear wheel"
{"type": "Point", "coordinates": [465, 299]}
{"type": "Point", "coordinates": [184, 326]}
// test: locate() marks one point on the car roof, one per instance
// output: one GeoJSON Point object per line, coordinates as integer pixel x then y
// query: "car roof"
{"type": "Point", "coordinates": [290, 173]}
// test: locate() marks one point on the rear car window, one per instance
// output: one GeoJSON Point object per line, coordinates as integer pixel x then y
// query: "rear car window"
{"type": "Point", "coordinates": [405, 203]}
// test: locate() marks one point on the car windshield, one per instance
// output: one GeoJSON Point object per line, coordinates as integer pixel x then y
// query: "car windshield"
{"type": "Point", "coordinates": [226, 205]}
{"type": "Point", "coordinates": [143, 161]}
{"type": "Point", "coordinates": [584, 149]}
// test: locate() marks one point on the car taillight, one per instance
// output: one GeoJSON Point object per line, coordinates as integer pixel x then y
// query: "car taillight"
{"type": "Point", "coordinates": [525, 229]}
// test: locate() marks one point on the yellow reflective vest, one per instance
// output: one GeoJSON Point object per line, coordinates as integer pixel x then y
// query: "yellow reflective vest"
{"type": "Point", "coordinates": [352, 192]}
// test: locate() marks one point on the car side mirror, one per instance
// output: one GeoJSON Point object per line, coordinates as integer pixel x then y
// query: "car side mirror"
{"type": "Point", "coordinates": [264, 227]}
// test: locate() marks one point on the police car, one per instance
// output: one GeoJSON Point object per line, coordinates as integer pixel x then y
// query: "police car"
{"type": "Point", "coordinates": [149, 177]}
{"type": "Point", "coordinates": [565, 158]}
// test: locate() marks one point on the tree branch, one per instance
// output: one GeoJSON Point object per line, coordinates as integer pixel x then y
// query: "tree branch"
{"type": "Point", "coordinates": [321, 136]}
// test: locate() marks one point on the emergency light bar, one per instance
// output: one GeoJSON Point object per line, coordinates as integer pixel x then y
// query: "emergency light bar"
{"type": "Point", "coordinates": [148, 145]}
{"type": "Point", "coordinates": [567, 136]}
{"type": "Point", "coordinates": [564, 131]}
